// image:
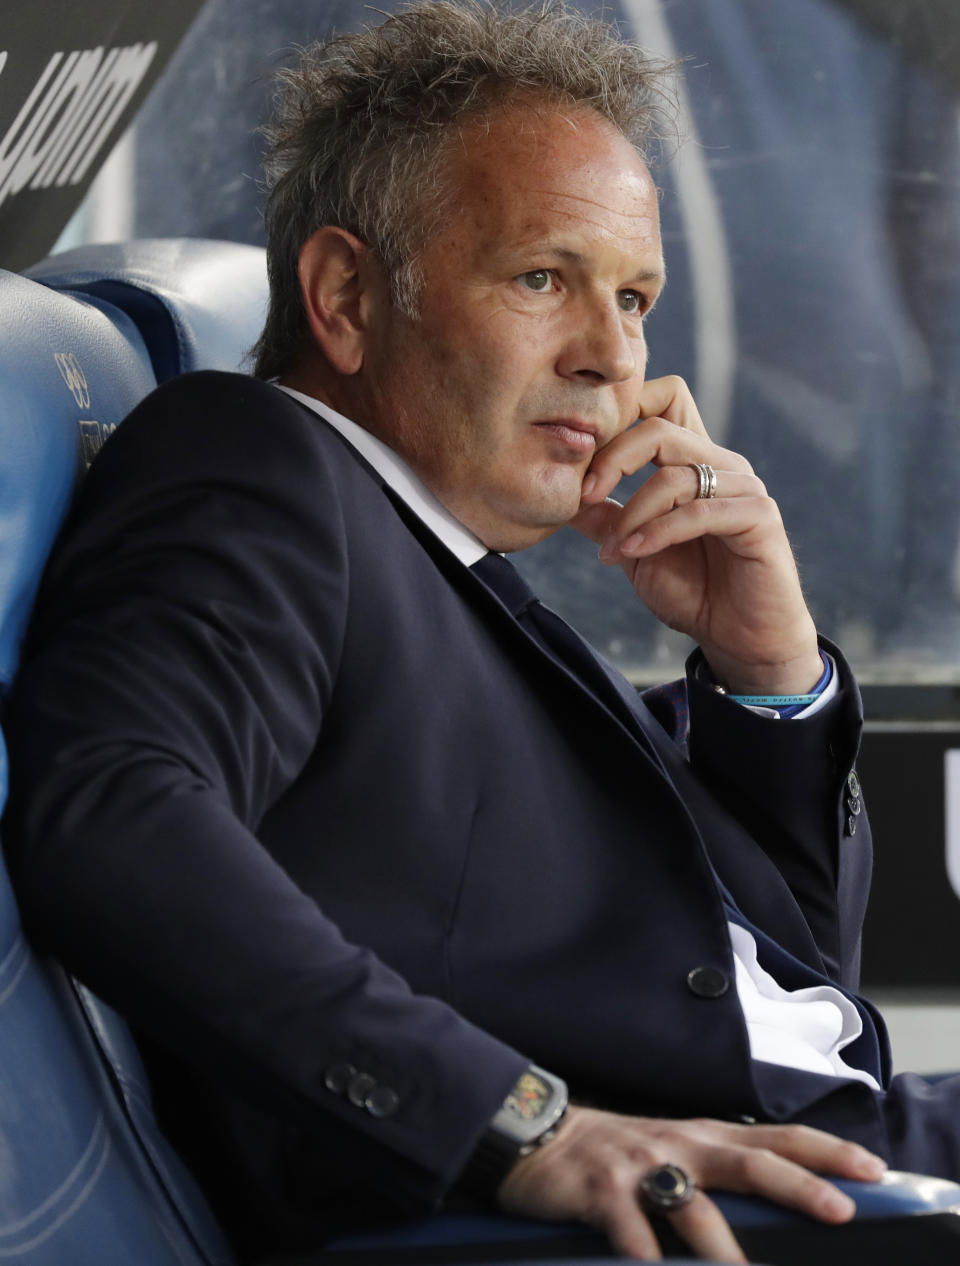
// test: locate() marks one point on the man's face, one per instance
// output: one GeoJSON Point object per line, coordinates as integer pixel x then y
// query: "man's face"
{"type": "Point", "coordinates": [529, 353]}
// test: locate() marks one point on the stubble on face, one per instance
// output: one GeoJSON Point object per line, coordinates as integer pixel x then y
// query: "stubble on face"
{"type": "Point", "coordinates": [472, 391]}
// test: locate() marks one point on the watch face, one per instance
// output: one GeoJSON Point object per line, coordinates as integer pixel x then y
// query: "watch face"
{"type": "Point", "coordinates": [529, 1097]}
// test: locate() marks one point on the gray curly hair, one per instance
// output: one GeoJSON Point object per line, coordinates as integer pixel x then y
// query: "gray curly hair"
{"type": "Point", "coordinates": [361, 128]}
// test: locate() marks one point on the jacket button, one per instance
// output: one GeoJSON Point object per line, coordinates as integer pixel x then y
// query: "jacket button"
{"type": "Point", "coordinates": [854, 805]}
{"type": "Point", "coordinates": [359, 1087]}
{"type": "Point", "coordinates": [853, 783]}
{"type": "Point", "coordinates": [851, 825]}
{"type": "Point", "coordinates": [337, 1078]}
{"type": "Point", "coordinates": [382, 1101]}
{"type": "Point", "coordinates": [707, 982]}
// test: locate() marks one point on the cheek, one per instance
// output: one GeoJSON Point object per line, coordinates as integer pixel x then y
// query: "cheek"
{"type": "Point", "coordinates": [480, 375]}
{"type": "Point", "coordinates": [483, 385]}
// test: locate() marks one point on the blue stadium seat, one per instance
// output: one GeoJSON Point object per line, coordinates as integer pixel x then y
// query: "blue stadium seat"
{"type": "Point", "coordinates": [197, 305]}
{"type": "Point", "coordinates": [905, 1219]}
{"type": "Point", "coordinates": [92, 1181]}
{"type": "Point", "coordinates": [84, 1184]}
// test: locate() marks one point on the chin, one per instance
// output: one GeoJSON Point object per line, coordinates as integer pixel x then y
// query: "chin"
{"type": "Point", "coordinates": [514, 519]}
{"type": "Point", "coordinates": [512, 540]}
{"type": "Point", "coordinates": [527, 529]}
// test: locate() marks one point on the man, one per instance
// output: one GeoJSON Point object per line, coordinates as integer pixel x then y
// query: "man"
{"type": "Point", "coordinates": [353, 837]}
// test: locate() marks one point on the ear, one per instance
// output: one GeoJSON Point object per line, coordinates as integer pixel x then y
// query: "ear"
{"type": "Point", "coordinates": [333, 268]}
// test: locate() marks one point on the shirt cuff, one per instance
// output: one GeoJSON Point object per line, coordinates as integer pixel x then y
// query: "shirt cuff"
{"type": "Point", "coordinates": [826, 689]}
{"type": "Point", "coordinates": [830, 690]}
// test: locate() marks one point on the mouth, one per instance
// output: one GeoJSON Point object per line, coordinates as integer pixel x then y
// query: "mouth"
{"type": "Point", "coordinates": [577, 436]}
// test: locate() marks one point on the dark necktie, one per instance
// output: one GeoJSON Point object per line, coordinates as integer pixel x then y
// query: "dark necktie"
{"type": "Point", "coordinates": [553, 634]}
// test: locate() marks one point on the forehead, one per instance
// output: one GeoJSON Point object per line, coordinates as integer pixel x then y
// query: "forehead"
{"type": "Point", "coordinates": [535, 170]}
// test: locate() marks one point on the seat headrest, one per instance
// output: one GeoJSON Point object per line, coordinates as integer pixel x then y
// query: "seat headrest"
{"type": "Point", "coordinates": [198, 304]}
{"type": "Point", "coordinates": [69, 372]}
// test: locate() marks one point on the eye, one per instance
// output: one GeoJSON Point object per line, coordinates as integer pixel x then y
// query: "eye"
{"type": "Point", "coordinates": [630, 300]}
{"type": "Point", "coordinates": [539, 280]}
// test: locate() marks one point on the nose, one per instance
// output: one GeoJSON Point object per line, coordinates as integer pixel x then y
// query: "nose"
{"type": "Point", "coordinates": [603, 347]}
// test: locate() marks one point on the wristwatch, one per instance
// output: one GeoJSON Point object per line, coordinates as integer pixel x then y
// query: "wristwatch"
{"type": "Point", "coordinates": [528, 1117]}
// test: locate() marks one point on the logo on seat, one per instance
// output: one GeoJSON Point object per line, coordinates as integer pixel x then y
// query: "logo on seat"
{"type": "Point", "coordinates": [93, 436]}
{"type": "Point", "coordinates": [74, 377]}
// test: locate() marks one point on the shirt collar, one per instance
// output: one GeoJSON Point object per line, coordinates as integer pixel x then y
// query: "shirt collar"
{"type": "Point", "coordinates": [395, 472]}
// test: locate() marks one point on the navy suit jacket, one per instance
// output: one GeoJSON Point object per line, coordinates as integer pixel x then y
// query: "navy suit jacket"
{"type": "Point", "coordinates": [294, 791]}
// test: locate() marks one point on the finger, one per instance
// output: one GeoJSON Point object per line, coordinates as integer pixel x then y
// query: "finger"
{"type": "Point", "coordinates": [701, 1225]}
{"type": "Point", "coordinates": [745, 519]}
{"type": "Point", "coordinates": [761, 1172]}
{"type": "Point", "coordinates": [668, 490]}
{"type": "Point", "coordinates": [617, 1212]}
{"type": "Point", "coordinates": [655, 441]}
{"type": "Point", "coordinates": [598, 522]}
{"type": "Point", "coordinates": [818, 1150]}
{"type": "Point", "coordinates": [670, 397]}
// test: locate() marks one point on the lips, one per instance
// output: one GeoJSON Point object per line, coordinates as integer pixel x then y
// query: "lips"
{"type": "Point", "coordinates": [580, 437]}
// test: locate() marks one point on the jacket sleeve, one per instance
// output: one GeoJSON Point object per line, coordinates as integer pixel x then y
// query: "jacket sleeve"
{"type": "Point", "coordinates": [183, 654]}
{"type": "Point", "coordinates": [786, 782]}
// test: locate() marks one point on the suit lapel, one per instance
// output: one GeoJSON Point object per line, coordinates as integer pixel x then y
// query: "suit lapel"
{"type": "Point", "coordinates": [742, 868]}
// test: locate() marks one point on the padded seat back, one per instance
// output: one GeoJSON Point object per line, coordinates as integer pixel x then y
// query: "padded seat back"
{"type": "Point", "coordinates": [69, 372]}
{"type": "Point", "coordinates": [85, 1177]}
{"type": "Point", "coordinates": [197, 304]}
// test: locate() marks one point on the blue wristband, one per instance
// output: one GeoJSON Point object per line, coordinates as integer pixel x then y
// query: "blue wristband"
{"type": "Point", "coordinates": [774, 701]}
{"type": "Point", "coordinates": [788, 705]}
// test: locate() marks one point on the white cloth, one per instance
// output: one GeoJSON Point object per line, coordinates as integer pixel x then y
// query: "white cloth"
{"type": "Point", "coordinates": [804, 1029]}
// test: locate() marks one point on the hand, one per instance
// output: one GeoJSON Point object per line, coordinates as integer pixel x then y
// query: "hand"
{"type": "Point", "coordinates": [719, 570]}
{"type": "Point", "coordinates": [593, 1168]}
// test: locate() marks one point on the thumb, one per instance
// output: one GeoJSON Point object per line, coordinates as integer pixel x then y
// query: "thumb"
{"type": "Point", "coordinates": [597, 521]}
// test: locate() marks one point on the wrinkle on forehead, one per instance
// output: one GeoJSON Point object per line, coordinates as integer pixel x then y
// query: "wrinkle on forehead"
{"type": "Point", "coordinates": [555, 200]}
{"type": "Point", "coordinates": [581, 139]}
{"type": "Point", "coordinates": [532, 175]}
{"type": "Point", "coordinates": [629, 214]}
{"type": "Point", "coordinates": [534, 121]}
